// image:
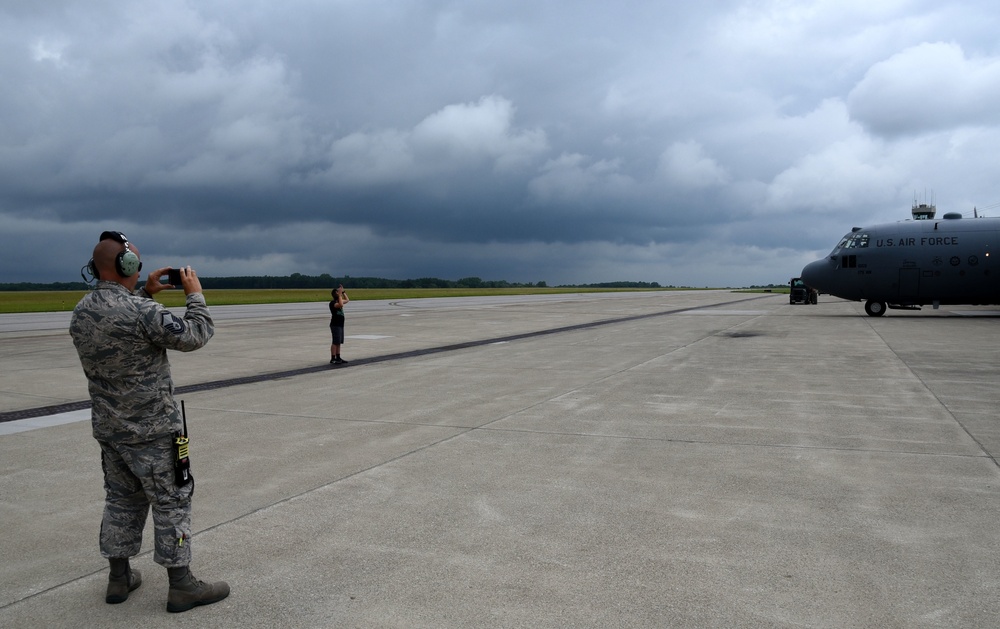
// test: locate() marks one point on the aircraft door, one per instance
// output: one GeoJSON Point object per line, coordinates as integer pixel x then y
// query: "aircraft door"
{"type": "Point", "coordinates": [909, 284]}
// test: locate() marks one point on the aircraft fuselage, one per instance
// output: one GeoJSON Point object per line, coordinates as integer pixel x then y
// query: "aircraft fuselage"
{"type": "Point", "coordinates": [949, 260]}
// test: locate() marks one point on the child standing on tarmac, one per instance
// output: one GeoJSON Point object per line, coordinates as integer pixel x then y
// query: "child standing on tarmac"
{"type": "Point", "coordinates": [337, 323]}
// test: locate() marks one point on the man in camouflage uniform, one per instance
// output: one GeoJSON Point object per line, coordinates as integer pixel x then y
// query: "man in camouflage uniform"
{"type": "Point", "coordinates": [122, 336]}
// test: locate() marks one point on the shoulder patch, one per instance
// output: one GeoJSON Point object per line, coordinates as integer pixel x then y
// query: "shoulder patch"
{"type": "Point", "coordinates": [171, 323]}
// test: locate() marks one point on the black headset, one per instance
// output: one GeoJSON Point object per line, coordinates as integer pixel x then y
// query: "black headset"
{"type": "Point", "coordinates": [127, 263]}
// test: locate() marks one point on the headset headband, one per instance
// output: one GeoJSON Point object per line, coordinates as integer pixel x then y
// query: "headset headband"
{"type": "Point", "coordinates": [118, 236]}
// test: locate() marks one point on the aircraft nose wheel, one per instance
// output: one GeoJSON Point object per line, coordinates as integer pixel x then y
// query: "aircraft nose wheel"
{"type": "Point", "coordinates": [875, 308]}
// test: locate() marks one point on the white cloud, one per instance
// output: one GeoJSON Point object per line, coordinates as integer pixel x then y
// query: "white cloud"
{"type": "Point", "coordinates": [686, 164]}
{"type": "Point", "coordinates": [843, 175]}
{"type": "Point", "coordinates": [477, 130]}
{"type": "Point", "coordinates": [774, 27]}
{"type": "Point", "coordinates": [925, 88]}
{"type": "Point", "coordinates": [370, 158]}
{"type": "Point", "coordinates": [166, 101]}
{"type": "Point", "coordinates": [580, 179]}
{"type": "Point", "coordinates": [47, 50]}
{"type": "Point", "coordinates": [448, 142]}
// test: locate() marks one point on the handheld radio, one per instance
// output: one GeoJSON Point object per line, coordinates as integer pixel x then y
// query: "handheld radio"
{"type": "Point", "coordinates": [182, 464]}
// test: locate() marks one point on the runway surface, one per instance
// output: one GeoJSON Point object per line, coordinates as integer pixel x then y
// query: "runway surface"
{"type": "Point", "coordinates": [682, 459]}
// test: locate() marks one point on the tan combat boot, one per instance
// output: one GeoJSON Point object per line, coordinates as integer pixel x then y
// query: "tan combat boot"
{"type": "Point", "coordinates": [119, 587]}
{"type": "Point", "coordinates": [187, 592]}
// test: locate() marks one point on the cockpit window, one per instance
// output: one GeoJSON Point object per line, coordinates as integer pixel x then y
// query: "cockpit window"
{"type": "Point", "coordinates": [858, 240]}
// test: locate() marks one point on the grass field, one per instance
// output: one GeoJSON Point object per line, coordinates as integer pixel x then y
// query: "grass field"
{"type": "Point", "coordinates": [55, 301]}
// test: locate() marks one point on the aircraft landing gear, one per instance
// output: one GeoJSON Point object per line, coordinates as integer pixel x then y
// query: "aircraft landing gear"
{"type": "Point", "coordinates": [874, 308]}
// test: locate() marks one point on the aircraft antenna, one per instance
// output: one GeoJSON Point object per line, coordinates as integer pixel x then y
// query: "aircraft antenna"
{"type": "Point", "coordinates": [991, 206]}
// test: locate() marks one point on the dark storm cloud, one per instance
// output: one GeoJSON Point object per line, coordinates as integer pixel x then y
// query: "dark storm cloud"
{"type": "Point", "coordinates": [705, 144]}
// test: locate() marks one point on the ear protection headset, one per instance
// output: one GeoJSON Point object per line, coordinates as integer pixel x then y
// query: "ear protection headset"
{"type": "Point", "coordinates": [127, 263]}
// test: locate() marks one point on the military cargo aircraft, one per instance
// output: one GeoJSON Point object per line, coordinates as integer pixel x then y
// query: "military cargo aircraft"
{"type": "Point", "coordinates": [913, 263]}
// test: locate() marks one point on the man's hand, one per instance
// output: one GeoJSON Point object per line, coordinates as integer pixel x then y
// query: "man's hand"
{"type": "Point", "coordinates": [153, 283]}
{"type": "Point", "coordinates": [190, 280]}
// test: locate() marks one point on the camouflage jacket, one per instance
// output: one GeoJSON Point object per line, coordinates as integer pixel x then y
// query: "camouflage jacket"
{"type": "Point", "coordinates": [122, 339]}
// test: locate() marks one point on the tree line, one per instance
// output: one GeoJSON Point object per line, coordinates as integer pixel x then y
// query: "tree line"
{"type": "Point", "coordinates": [298, 280]}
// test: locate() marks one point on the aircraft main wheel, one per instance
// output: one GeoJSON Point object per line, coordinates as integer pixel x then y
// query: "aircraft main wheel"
{"type": "Point", "coordinates": [875, 308]}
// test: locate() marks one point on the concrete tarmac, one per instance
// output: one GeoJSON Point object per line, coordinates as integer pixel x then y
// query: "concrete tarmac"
{"type": "Point", "coordinates": [681, 459]}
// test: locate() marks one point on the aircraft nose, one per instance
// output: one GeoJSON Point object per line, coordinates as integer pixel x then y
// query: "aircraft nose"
{"type": "Point", "coordinates": [817, 275]}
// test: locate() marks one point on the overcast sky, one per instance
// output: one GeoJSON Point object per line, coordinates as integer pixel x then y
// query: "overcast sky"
{"type": "Point", "coordinates": [716, 143]}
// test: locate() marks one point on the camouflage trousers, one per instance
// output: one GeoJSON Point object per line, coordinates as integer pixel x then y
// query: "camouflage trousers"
{"type": "Point", "coordinates": [137, 477]}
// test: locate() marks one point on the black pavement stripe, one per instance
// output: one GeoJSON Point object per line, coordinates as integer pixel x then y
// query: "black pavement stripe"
{"type": "Point", "coordinates": [43, 411]}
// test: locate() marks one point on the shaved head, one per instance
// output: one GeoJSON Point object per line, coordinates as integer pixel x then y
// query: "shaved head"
{"type": "Point", "coordinates": [104, 261]}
